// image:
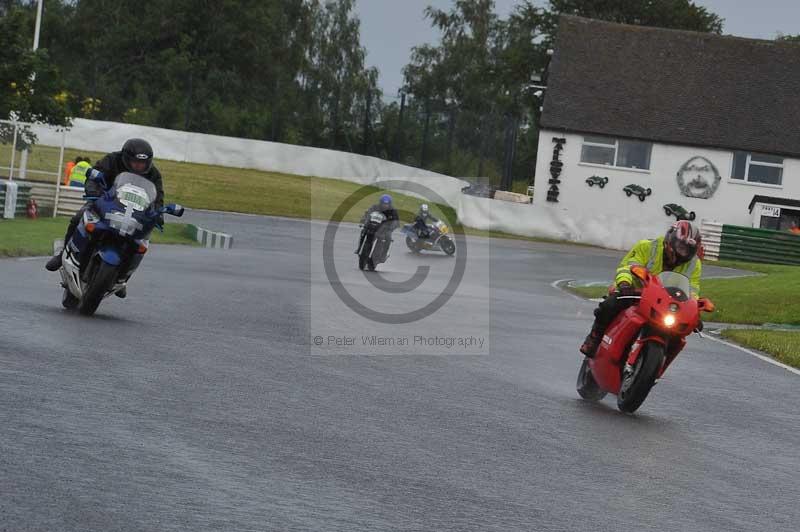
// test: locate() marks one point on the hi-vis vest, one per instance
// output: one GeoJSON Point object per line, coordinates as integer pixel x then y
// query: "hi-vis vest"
{"type": "Point", "coordinates": [650, 254]}
{"type": "Point", "coordinates": [78, 175]}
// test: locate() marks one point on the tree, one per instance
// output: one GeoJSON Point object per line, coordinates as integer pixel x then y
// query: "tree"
{"type": "Point", "coordinates": [475, 92]}
{"type": "Point", "coordinates": [788, 38]}
{"type": "Point", "coordinates": [281, 70]}
{"type": "Point", "coordinates": [31, 88]}
{"type": "Point", "coordinates": [334, 78]}
{"type": "Point", "coordinates": [674, 14]}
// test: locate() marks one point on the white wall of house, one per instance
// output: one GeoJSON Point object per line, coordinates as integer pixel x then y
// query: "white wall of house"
{"type": "Point", "coordinates": [599, 214]}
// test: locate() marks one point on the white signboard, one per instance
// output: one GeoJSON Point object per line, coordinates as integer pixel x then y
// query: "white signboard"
{"type": "Point", "coordinates": [772, 212]}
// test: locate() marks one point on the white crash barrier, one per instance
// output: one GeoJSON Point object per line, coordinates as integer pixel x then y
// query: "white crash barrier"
{"type": "Point", "coordinates": [546, 221]}
{"type": "Point", "coordinates": [96, 135]}
{"type": "Point", "coordinates": [169, 144]}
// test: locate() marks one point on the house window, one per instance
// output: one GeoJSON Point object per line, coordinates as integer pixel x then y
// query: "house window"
{"type": "Point", "coordinates": [616, 152]}
{"type": "Point", "coordinates": [757, 168]}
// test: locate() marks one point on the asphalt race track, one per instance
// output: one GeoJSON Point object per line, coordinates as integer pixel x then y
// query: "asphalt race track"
{"type": "Point", "coordinates": [199, 403]}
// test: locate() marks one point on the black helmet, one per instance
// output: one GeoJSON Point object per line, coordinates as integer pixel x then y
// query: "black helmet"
{"type": "Point", "coordinates": [137, 156]}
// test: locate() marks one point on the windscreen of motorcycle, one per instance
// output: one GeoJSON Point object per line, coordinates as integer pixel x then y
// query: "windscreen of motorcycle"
{"type": "Point", "coordinates": [135, 191]}
{"type": "Point", "coordinates": [677, 285]}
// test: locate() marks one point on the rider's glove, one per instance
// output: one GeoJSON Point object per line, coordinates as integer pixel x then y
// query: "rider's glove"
{"type": "Point", "coordinates": [626, 289]}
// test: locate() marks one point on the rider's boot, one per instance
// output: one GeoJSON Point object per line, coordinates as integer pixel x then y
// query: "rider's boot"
{"type": "Point", "coordinates": [592, 342]}
{"type": "Point", "coordinates": [54, 264]}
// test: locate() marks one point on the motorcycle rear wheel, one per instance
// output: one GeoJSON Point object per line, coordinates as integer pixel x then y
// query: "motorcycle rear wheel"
{"type": "Point", "coordinates": [586, 386]}
{"type": "Point", "coordinates": [100, 284]}
{"type": "Point", "coordinates": [637, 385]}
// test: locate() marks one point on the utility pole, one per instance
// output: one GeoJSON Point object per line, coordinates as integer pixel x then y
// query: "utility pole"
{"type": "Point", "coordinates": [451, 127]}
{"type": "Point", "coordinates": [365, 147]}
{"type": "Point", "coordinates": [512, 126]}
{"type": "Point", "coordinates": [398, 138]}
{"type": "Point", "coordinates": [23, 159]}
{"type": "Point", "coordinates": [38, 27]}
{"type": "Point", "coordinates": [424, 155]}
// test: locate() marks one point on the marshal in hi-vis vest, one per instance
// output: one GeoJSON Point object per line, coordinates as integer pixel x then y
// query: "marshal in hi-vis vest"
{"type": "Point", "coordinates": [77, 178]}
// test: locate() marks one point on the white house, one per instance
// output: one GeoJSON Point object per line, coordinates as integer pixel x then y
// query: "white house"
{"type": "Point", "coordinates": [639, 120]}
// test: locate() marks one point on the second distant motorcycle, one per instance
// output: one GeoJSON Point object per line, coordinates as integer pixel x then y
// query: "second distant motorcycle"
{"type": "Point", "coordinates": [438, 238]}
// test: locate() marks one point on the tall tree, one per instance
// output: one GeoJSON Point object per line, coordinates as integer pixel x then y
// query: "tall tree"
{"type": "Point", "coordinates": [486, 72]}
{"type": "Point", "coordinates": [31, 88]}
{"type": "Point", "coordinates": [674, 14]}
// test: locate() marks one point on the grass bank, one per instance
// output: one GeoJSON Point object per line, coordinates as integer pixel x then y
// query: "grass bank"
{"type": "Point", "coordinates": [781, 345]}
{"type": "Point", "coordinates": [773, 297]}
{"type": "Point", "coordinates": [22, 237]}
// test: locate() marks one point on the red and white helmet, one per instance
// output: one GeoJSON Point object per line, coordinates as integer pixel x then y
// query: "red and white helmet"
{"type": "Point", "coordinates": [683, 240]}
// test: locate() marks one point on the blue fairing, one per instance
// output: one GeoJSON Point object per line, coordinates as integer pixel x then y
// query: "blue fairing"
{"type": "Point", "coordinates": [119, 228]}
{"type": "Point", "coordinates": [110, 256]}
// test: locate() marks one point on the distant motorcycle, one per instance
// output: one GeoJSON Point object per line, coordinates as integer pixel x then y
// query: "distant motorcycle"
{"type": "Point", "coordinates": [438, 239]}
{"type": "Point", "coordinates": [375, 240]}
{"type": "Point", "coordinates": [110, 242]}
{"type": "Point", "coordinates": [643, 341]}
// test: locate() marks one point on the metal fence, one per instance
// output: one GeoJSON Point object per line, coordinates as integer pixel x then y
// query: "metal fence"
{"type": "Point", "coordinates": [39, 166]}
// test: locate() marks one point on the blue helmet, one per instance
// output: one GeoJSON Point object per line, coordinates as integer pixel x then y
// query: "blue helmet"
{"type": "Point", "coordinates": [386, 202]}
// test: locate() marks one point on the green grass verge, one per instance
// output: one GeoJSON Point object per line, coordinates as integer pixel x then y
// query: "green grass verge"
{"type": "Point", "coordinates": [22, 237]}
{"type": "Point", "coordinates": [773, 297]}
{"type": "Point", "coordinates": [782, 345]}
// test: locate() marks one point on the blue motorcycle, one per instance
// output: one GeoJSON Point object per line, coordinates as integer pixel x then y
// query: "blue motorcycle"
{"type": "Point", "coordinates": [110, 242]}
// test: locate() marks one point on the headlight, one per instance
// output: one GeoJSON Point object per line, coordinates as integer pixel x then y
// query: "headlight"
{"type": "Point", "coordinates": [669, 320]}
{"type": "Point", "coordinates": [673, 307]}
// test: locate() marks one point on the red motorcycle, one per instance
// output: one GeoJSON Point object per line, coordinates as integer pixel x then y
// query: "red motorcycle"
{"type": "Point", "coordinates": [642, 342]}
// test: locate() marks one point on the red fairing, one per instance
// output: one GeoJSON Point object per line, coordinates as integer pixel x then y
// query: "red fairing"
{"type": "Point", "coordinates": [623, 341]}
{"type": "Point", "coordinates": [611, 355]}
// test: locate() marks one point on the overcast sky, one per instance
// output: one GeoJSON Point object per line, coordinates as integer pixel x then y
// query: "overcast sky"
{"type": "Point", "coordinates": [390, 28]}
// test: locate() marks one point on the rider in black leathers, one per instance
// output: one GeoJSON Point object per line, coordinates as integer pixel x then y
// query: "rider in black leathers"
{"type": "Point", "coordinates": [136, 156]}
{"type": "Point", "coordinates": [423, 219]}
{"type": "Point", "coordinates": [385, 206]}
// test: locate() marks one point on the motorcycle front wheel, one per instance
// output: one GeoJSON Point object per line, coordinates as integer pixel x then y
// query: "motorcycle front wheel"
{"type": "Point", "coordinates": [636, 384]}
{"type": "Point", "coordinates": [363, 254]}
{"type": "Point", "coordinates": [412, 245]}
{"type": "Point", "coordinates": [448, 246]}
{"type": "Point", "coordinates": [586, 386]}
{"type": "Point", "coordinates": [98, 287]}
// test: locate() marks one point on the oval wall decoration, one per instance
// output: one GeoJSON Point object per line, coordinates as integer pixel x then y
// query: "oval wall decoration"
{"type": "Point", "coordinates": [698, 178]}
